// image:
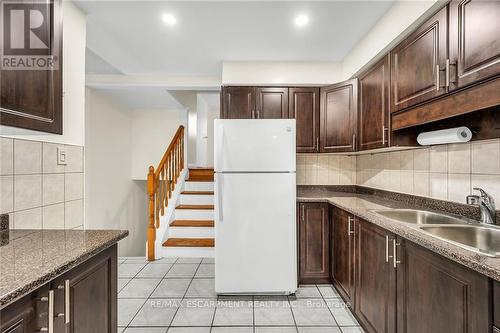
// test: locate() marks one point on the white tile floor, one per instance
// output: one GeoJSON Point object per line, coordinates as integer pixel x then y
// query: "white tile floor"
{"type": "Point", "coordinates": [177, 295]}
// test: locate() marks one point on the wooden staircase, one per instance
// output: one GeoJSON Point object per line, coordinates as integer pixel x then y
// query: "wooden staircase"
{"type": "Point", "coordinates": [191, 233]}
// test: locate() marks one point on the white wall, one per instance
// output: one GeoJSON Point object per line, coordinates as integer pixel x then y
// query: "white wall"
{"type": "Point", "coordinates": [152, 131]}
{"type": "Point", "coordinates": [113, 199]}
{"type": "Point", "coordinates": [74, 28]}
{"type": "Point", "coordinates": [276, 73]}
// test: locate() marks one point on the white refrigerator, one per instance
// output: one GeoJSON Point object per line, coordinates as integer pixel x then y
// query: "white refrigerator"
{"type": "Point", "coordinates": [255, 204]}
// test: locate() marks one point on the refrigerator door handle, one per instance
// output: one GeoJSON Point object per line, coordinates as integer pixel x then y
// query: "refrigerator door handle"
{"type": "Point", "coordinates": [219, 198]}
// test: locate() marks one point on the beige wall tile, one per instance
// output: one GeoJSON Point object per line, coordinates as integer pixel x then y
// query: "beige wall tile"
{"type": "Point", "coordinates": [489, 183]}
{"type": "Point", "coordinates": [6, 194]}
{"type": "Point", "coordinates": [53, 188]}
{"type": "Point", "coordinates": [50, 158]}
{"type": "Point", "coordinates": [421, 159]}
{"type": "Point", "coordinates": [394, 160]}
{"type": "Point", "coordinates": [486, 157]}
{"type": "Point", "coordinates": [27, 191]}
{"type": "Point", "coordinates": [73, 186]}
{"type": "Point", "coordinates": [438, 159]}
{"type": "Point", "coordinates": [73, 214]}
{"type": "Point", "coordinates": [438, 185]}
{"type": "Point", "coordinates": [407, 181]}
{"type": "Point", "coordinates": [74, 155]}
{"type": "Point", "coordinates": [27, 157]}
{"type": "Point", "coordinates": [6, 156]}
{"type": "Point", "coordinates": [459, 158]}
{"type": "Point", "coordinates": [301, 175]}
{"type": "Point", "coordinates": [407, 160]}
{"type": "Point", "coordinates": [53, 216]}
{"type": "Point", "coordinates": [458, 187]}
{"type": "Point", "coordinates": [421, 183]}
{"type": "Point", "coordinates": [334, 162]}
{"type": "Point", "coordinates": [28, 219]}
{"type": "Point", "coordinates": [394, 180]}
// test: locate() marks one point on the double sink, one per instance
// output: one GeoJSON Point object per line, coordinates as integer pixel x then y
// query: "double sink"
{"type": "Point", "coordinates": [466, 233]}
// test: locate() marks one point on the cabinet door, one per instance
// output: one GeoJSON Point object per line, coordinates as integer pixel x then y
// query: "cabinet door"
{"type": "Point", "coordinates": [32, 99]}
{"type": "Point", "coordinates": [474, 41]}
{"type": "Point", "coordinates": [238, 103]}
{"type": "Point", "coordinates": [438, 295]}
{"type": "Point", "coordinates": [374, 106]}
{"type": "Point", "coordinates": [338, 117]}
{"type": "Point", "coordinates": [375, 303]}
{"type": "Point", "coordinates": [304, 107]}
{"type": "Point", "coordinates": [314, 245]}
{"type": "Point", "coordinates": [343, 253]}
{"type": "Point", "coordinates": [272, 103]}
{"type": "Point", "coordinates": [418, 64]}
{"type": "Point", "coordinates": [86, 296]}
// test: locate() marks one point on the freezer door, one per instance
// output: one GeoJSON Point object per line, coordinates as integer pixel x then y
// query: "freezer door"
{"type": "Point", "coordinates": [251, 145]}
{"type": "Point", "coordinates": [255, 246]}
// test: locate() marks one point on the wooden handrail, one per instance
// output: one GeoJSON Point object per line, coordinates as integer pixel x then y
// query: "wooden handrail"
{"type": "Point", "coordinates": [161, 184]}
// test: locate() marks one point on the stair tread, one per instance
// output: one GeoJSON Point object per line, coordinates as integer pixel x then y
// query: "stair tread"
{"type": "Point", "coordinates": [193, 223]}
{"type": "Point", "coordinates": [199, 179]}
{"type": "Point", "coordinates": [198, 192]}
{"type": "Point", "coordinates": [184, 206]}
{"type": "Point", "coordinates": [189, 242]}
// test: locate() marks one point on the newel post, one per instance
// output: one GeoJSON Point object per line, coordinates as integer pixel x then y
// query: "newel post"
{"type": "Point", "coordinates": [151, 224]}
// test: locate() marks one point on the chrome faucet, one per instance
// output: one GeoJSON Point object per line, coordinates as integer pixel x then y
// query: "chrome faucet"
{"type": "Point", "coordinates": [486, 204]}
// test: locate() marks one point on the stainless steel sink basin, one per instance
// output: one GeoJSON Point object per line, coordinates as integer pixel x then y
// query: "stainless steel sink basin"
{"type": "Point", "coordinates": [478, 238]}
{"type": "Point", "coordinates": [419, 216]}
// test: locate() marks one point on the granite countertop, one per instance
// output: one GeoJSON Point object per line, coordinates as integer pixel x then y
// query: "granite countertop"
{"type": "Point", "coordinates": [362, 205]}
{"type": "Point", "coordinates": [32, 258]}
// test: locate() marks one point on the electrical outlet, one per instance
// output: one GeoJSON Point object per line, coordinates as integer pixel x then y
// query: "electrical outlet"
{"type": "Point", "coordinates": [61, 156]}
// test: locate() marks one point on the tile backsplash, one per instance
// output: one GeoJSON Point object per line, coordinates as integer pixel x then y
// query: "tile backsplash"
{"type": "Point", "coordinates": [321, 169]}
{"type": "Point", "coordinates": [35, 191]}
{"type": "Point", "coordinates": [447, 172]}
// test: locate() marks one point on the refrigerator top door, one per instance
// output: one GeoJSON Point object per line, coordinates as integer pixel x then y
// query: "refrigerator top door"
{"type": "Point", "coordinates": [254, 145]}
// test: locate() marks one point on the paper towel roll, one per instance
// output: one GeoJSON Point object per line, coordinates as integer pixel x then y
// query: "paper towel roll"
{"type": "Point", "coordinates": [452, 135]}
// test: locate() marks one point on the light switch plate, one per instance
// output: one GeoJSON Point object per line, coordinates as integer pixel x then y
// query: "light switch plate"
{"type": "Point", "coordinates": [61, 156]}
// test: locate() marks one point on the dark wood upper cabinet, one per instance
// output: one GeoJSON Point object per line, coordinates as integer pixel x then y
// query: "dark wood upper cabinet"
{"type": "Point", "coordinates": [338, 117]}
{"type": "Point", "coordinates": [418, 64]}
{"type": "Point", "coordinates": [437, 295]}
{"type": "Point", "coordinates": [474, 41]}
{"type": "Point", "coordinates": [32, 99]}
{"type": "Point", "coordinates": [272, 103]}
{"type": "Point", "coordinates": [238, 103]}
{"type": "Point", "coordinates": [374, 98]}
{"type": "Point", "coordinates": [314, 246]}
{"type": "Point", "coordinates": [375, 303]}
{"type": "Point", "coordinates": [342, 239]}
{"type": "Point", "coordinates": [304, 107]}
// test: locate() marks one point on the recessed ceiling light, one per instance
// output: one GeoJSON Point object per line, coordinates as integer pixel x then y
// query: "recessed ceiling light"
{"type": "Point", "coordinates": [301, 20]}
{"type": "Point", "coordinates": [169, 19]}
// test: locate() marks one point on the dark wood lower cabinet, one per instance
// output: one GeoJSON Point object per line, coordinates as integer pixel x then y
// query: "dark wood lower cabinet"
{"type": "Point", "coordinates": [314, 233]}
{"type": "Point", "coordinates": [342, 272]}
{"type": "Point", "coordinates": [84, 300]}
{"type": "Point", "coordinates": [438, 295]}
{"type": "Point", "coordinates": [391, 284]}
{"type": "Point", "coordinates": [375, 301]}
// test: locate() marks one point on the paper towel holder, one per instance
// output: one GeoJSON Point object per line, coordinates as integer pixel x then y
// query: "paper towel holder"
{"type": "Point", "coordinates": [451, 135]}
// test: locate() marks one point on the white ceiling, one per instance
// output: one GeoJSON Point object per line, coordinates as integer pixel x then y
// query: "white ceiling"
{"type": "Point", "coordinates": [131, 37]}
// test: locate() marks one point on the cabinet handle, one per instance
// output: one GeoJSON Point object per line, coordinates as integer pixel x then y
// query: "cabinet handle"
{"type": "Point", "coordinates": [349, 221]}
{"type": "Point", "coordinates": [67, 310]}
{"type": "Point", "coordinates": [383, 134]}
{"type": "Point", "coordinates": [386, 248]}
{"type": "Point", "coordinates": [447, 70]}
{"type": "Point", "coordinates": [317, 143]}
{"type": "Point", "coordinates": [51, 312]}
{"type": "Point", "coordinates": [395, 261]}
{"type": "Point", "coordinates": [353, 142]}
{"type": "Point", "coordinates": [438, 84]}
{"type": "Point", "coordinates": [302, 213]}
